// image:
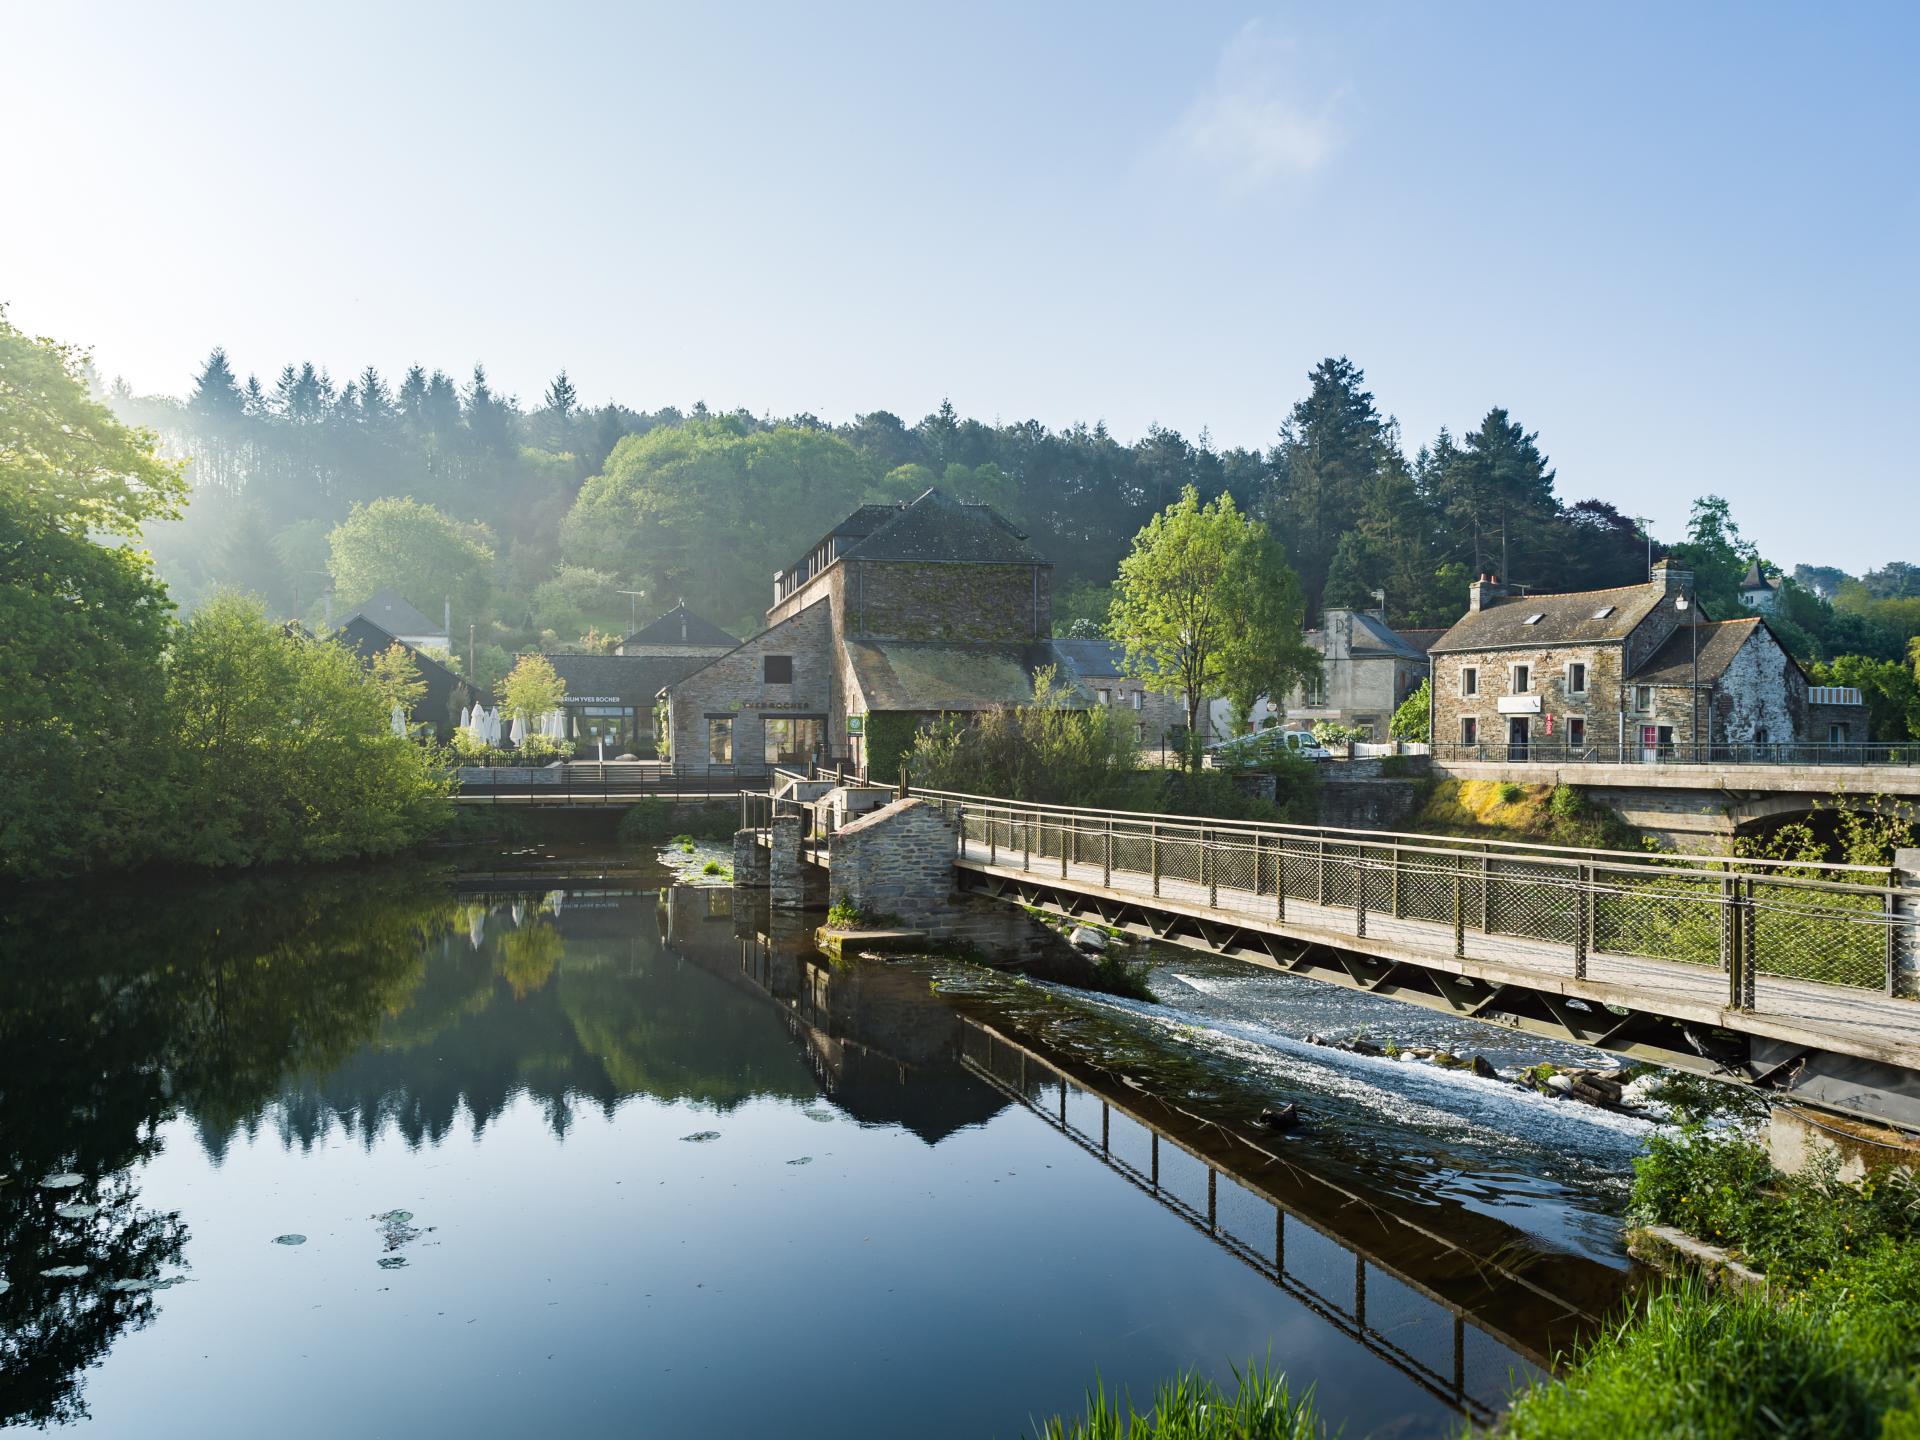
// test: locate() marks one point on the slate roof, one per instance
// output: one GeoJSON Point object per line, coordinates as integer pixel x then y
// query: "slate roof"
{"type": "Point", "coordinates": [1422, 640]}
{"type": "Point", "coordinates": [1758, 579]}
{"type": "Point", "coordinates": [937, 529]}
{"type": "Point", "coordinates": [1569, 618]}
{"type": "Point", "coordinates": [924, 677]}
{"type": "Point", "coordinates": [634, 679]}
{"type": "Point", "coordinates": [1720, 641]}
{"type": "Point", "coordinates": [367, 639]}
{"type": "Point", "coordinates": [1093, 658]}
{"type": "Point", "coordinates": [680, 626]}
{"type": "Point", "coordinates": [1373, 636]}
{"type": "Point", "coordinates": [390, 611]}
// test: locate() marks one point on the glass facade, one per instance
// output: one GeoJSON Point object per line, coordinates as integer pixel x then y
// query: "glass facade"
{"type": "Point", "coordinates": [795, 739]}
{"type": "Point", "coordinates": [720, 740]}
{"type": "Point", "coordinates": [617, 727]}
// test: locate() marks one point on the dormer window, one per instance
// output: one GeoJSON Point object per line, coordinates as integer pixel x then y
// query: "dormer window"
{"type": "Point", "coordinates": [1534, 619]}
{"type": "Point", "coordinates": [1603, 612]}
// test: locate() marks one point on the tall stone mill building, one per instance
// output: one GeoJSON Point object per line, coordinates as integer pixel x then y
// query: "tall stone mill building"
{"type": "Point", "coordinates": [898, 614]}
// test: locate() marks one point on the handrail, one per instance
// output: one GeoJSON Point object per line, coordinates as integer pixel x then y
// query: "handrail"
{"type": "Point", "coordinates": [1644, 860]}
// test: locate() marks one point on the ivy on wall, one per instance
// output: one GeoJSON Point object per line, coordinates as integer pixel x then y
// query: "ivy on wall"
{"type": "Point", "coordinates": [890, 735]}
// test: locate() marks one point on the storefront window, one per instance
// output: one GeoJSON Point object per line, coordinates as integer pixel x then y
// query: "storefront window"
{"type": "Point", "coordinates": [613, 727]}
{"type": "Point", "coordinates": [720, 740]}
{"type": "Point", "coordinates": [793, 739]}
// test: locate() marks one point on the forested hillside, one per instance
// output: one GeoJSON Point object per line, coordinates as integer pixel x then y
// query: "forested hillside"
{"type": "Point", "coordinates": [536, 519]}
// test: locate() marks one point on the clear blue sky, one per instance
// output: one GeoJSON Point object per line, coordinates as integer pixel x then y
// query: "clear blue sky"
{"type": "Point", "coordinates": [1679, 241]}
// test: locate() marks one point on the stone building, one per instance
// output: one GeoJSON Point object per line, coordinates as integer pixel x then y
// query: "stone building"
{"type": "Point", "coordinates": [1158, 716]}
{"type": "Point", "coordinates": [898, 614]}
{"type": "Point", "coordinates": [1366, 669]}
{"type": "Point", "coordinates": [610, 699]}
{"type": "Point", "coordinates": [446, 695]}
{"type": "Point", "coordinates": [1632, 673]}
{"type": "Point", "coordinates": [1759, 590]}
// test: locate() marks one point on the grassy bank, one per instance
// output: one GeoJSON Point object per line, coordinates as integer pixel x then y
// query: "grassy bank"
{"type": "Point", "coordinates": [1534, 814]}
{"type": "Point", "coordinates": [1189, 1408]}
{"type": "Point", "coordinates": [1830, 1348]}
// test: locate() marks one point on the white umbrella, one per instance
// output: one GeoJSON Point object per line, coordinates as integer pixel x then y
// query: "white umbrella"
{"type": "Point", "coordinates": [519, 734]}
{"type": "Point", "coordinates": [466, 715]}
{"type": "Point", "coordinates": [490, 727]}
{"type": "Point", "coordinates": [399, 720]}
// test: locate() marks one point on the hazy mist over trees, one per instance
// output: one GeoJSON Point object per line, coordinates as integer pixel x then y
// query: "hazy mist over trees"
{"type": "Point", "coordinates": [535, 517]}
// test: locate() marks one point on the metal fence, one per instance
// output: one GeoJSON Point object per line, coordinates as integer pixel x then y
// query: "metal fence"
{"type": "Point", "coordinates": [1555, 751]}
{"type": "Point", "coordinates": [611, 782]}
{"type": "Point", "coordinates": [1835, 925]}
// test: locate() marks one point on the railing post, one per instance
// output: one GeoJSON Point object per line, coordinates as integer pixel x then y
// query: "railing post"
{"type": "Point", "coordinates": [993, 840]}
{"type": "Point", "coordinates": [1360, 891]}
{"type": "Point", "coordinates": [1582, 899]}
{"type": "Point", "coordinates": [1394, 860]}
{"type": "Point", "coordinates": [962, 811]}
{"type": "Point", "coordinates": [1459, 913]}
{"type": "Point", "coordinates": [1063, 829]}
{"type": "Point", "coordinates": [1106, 856]}
{"type": "Point", "coordinates": [1320, 871]}
{"type": "Point", "coordinates": [1212, 870]}
{"type": "Point", "coordinates": [1026, 842]}
{"type": "Point", "coordinates": [1280, 879]}
{"type": "Point", "coordinates": [1153, 842]}
{"type": "Point", "coordinates": [1486, 889]}
{"type": "Point", "coordinates": [1733, 941]}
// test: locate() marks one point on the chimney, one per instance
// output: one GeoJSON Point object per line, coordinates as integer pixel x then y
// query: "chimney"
{"type": "Point", "coordinates": [1670, 579]}
{"type": "Point", "coordinates": [1487, 587]}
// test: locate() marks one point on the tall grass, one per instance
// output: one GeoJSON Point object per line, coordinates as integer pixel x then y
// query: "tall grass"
{"type": "Point", "coordinates": [1190, 1408]}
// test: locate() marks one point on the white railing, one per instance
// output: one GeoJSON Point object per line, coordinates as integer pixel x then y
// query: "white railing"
{"type": "Point", "coordinates": [1833, 695]}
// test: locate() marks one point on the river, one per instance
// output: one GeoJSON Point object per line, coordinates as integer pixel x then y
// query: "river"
{"type": "Point", "coordinates": [400, 1153]}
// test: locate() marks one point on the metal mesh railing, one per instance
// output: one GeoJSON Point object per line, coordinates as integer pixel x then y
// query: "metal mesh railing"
{"type": "Point", "coordinates": [1833, 925]}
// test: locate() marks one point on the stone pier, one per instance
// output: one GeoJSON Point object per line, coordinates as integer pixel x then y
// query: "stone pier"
{"type": "Point", "coordinates": [749, 861]}
{"type": "Point", "coordinates": [897, 860]}
{"type": "Point", "coordinates": [786, 865]}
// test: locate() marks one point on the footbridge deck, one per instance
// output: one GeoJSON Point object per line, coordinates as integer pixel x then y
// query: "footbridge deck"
{"type": "Point", "coordinates": [1799, 978]}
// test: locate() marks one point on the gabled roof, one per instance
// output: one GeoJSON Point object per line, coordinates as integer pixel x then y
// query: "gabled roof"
{"type": "Point", "coordinates": [1373, 636]}
{"type": "Point", "coordinates": [1720, 641]}
{"type": "Point", "coordinates": [1758, 579]}
{"type": "Point", "coordinates": [1574, 617]}
{"type": "Point", "coordinates": [680, 626]}
{"type": "Point", "coordinates": [368, 639]}
{"type": "Point", "coordinates": [390, 611]}
{"type": "Point", "coordinates": [1421, 640]}
{"type": "Point", "coordinates": [935, 528]}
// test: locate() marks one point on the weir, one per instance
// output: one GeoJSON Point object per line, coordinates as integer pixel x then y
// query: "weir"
{"type": "Point", "coordinates": [1798, 979]}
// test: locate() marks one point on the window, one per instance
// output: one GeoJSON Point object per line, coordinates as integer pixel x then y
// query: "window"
{"type": "Point", "coordinates": [1837, 733]}
{"type": "Point", "coordinates": [1470, 680]}
{"type": "Point", "coordinates": [1469, 730]}
{"type": "Point", "coordinates": [1140, 703]}
{"type": "Point", "coordinates": [777, 669]}
{"type": "Point", "coordinates": [1576, 733]}
{"type": "Point", "coordinates": [1105, 697]}
{"type": "Point", "coordinates": [1643, 699]}
{"type": "Point", "coordinates": [1522, 679]}
{"type": "Point", "coordinates": [1603, 612]}
{"type": "Point", "coordinates": [1316, 690]}
{"type": "Point", "coordinates": [719, 739]}
{"type": "Point", "coordinates": [793, 739]}
{"type": "Point", "coordinates": [1576, 678]}
{"type": "Point", "coordinates": [1534, 619]}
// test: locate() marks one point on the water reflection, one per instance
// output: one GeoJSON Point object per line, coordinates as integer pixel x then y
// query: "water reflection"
{"type": "Point", "coordinates": [243, 1043]}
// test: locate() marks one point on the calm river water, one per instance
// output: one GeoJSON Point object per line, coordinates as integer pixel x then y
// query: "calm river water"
{"type": "Point", "coordinates": [393, 1155]}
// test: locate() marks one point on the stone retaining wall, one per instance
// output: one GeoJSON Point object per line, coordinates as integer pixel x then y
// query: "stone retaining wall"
{"type": "Point", "coordinates": [897, 860]}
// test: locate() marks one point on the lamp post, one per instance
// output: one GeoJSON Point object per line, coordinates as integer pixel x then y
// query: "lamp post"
{"type": "Point", "coordinates": [1682, 603]}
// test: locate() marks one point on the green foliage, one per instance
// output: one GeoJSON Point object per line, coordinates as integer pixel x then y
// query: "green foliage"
{"type": "Point", "coordinates": [1726, 1191]}
{"type": "Point", "coordinates": [890, 737]}
{"type": "Point", "coordinates": [1536, 814]}
{"type": "Point", "coordinates": [1206, 605]}
{"type": "Point", "coordinates": [1334, 735]}
{"type": "Point", "coordinates": [1080, 611]}
{"type": "Point", "coordinates": [397, 677]}
{"type": "Point", "coordinates": [715, 867]}
{"type": "Point", "coordinates": [415, 549]}
{"type": "Point", "coordinates": [1889, 688]}
{"type": "Point", "coordinates": [532, 689]}
{"type": "Point", "coordinates": [579, 599]}
{"type": "Point", "coordinates": [1410, 721]}
{"type": "Point", "coordinates": [283, 749]}
{"type": "Point", "coordinates": [647, 822]}
{"type": "Point", "coordinates": [1190, 1408]}
{"type": "Point", "coordinates": [1044, 751]}
{"type": "Point", "coordinates": [843, 914]}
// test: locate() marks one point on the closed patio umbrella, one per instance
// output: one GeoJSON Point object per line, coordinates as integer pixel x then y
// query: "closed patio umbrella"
{"type": "Point", "coordinates": [399, 720]}
{"type": "Point", "coordinates": [519, 734]}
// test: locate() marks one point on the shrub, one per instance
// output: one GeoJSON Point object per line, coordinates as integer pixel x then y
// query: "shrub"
{"type": "Point", "coordinates": [1566, 803]}
{"type": "Point", "coordinates": [1410, 720]}
{"type": "Point", "coordinates": [646, 822]}
{"type": "Point", "coordinates": [1509, 792]}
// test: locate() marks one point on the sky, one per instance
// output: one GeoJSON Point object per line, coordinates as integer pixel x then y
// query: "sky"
{"type": "Point", "coordinates": [1679, 242]}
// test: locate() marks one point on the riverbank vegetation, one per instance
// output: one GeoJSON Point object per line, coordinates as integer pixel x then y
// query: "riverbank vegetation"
{"type": "Point", "coordinates": [1829, 1347]}
{"type": "Point", "coordinates": [1531, 814]}
{"type": "Point", "coordinates": [127, 738]}
{"type": "Point", "coordinates": [1261, 1407]}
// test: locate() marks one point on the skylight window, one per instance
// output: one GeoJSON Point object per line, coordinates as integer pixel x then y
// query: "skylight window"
{"type": "Point", "coordinates": [1534, 619]}
{"type": "Point", "coordinates": [1603, 612]}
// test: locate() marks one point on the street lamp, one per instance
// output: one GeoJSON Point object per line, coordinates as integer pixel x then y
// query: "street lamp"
{"type": "Point", "coordinates": [1682, 603]}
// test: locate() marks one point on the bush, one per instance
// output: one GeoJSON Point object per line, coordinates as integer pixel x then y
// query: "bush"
{"type": "Point", "coordinates": [647, 822]}
{"type": "Point", "coordinates": [1566, 803]}
{"type": "Point", "coordinates": [1410, 720]}
{"type": "Point", "coordinates": [1509, 792]}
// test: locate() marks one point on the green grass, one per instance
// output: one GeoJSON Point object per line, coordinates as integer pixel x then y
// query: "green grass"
{"type": "Point", "coordinates": [1830, 1348]}
{"type": "Point", "coordinates": [842, 915]}
{"type": "Point", "coordinates": [714, 867]}
{"type": "Point", "coordinates": [1189, 1408]}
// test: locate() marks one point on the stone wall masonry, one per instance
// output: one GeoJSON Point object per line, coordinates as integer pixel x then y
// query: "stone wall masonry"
{"type": "Point", "coordinates": [1906, 966]}
{"type": "Point", "coordinates": [1368, 804]}
{"type": "Point", "coordinates": [786, 865]}
{"type": "Point", "coordinates": [1010, 604]}
{"type": "Point", "coordinates": [1599, 706]}
{"type": "Point", "coordinates": [749, 861]}
{"type": "Point", "coordinates": [897, 860]}
{"type": "Point", "coordinates": [734, 685]}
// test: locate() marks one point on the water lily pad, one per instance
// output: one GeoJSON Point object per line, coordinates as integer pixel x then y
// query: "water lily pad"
{"type": "Point", "coordinates": [803, 1160]}
{"type": "Point", "coordinates": [76, 1212]}
{"type": "Point", "coordinates": [128, 1287]}
{"type": "Point", "coordinates": [395, 1217]}
{"type": "Point", "coordinates": [66, 1180]}
{"type": "Point", "coordinates": [393, 1262]}
{"type": "Point", "coordinates": [290, 1239]}
{"type": "Point", "coordinates": [825, 1117]}
{"type": "Point", "coordinates": [65, 1272]}
{"type": "Point", "coordinates": [4, 1287]}
{"type": "Point", "coordinates": [700, 1137]}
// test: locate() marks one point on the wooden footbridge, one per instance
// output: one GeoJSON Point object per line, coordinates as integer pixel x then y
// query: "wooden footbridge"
{"type": "Point", "coordinates": [1797, 978]}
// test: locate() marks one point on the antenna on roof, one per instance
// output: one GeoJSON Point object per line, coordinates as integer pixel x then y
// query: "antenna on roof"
{"type": "Point", "coordinates": [633, 607]}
